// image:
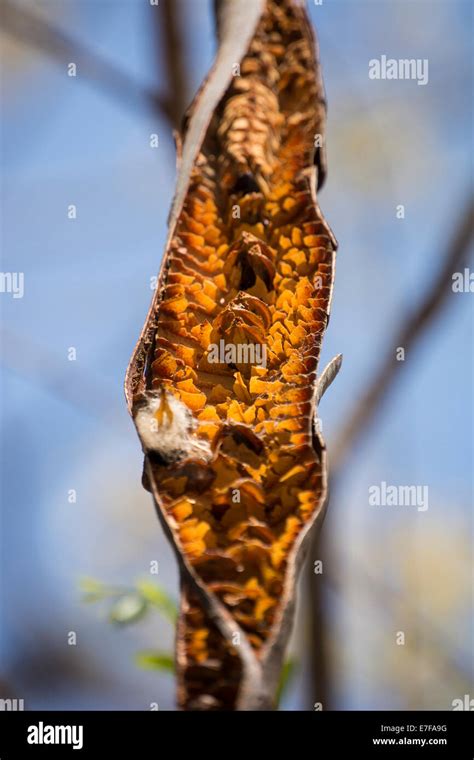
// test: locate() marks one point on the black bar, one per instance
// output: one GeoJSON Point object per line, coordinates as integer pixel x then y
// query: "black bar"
{"type": "Point", "coordinates": [306, 734]}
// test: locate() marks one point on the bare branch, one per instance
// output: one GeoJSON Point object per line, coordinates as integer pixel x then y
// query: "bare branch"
{"type": "Point", "coordinates": [33, 30]}
{"type": "Point", "coordinates": [169, 34]}
{"type": "Point", "coordinates": [409, 333]}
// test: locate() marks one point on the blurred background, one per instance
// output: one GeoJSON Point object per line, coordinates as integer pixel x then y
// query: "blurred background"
{"type": "Point", "coordinates": [72, 502]}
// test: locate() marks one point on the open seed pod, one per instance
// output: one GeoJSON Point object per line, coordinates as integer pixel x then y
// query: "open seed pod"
{"type": "Point", "coordinates": [223, 384]}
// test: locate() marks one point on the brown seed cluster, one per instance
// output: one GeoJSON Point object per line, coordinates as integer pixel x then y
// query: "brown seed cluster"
{"type": "Point", "coordinates": [250, 266]}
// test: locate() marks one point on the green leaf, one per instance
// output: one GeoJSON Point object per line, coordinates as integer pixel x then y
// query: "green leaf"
{"type": "Point", "coordinates": [95, 591]}
{"type": "Point", "coordinates": [158, 598]}
{"type": "Point", "coordinates": [151, 660]}
{"type": "Point", "coordinates": [92, 589]}
{"type": "Point", "coordinates": [287, 674]}
{"type": "Point", "coordinates": [128, 609]}
{"type": "Point", "coordinates": [90, 585]}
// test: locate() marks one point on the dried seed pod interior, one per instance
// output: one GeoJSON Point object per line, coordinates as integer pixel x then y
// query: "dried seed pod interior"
{"type": "Point", "coordinates": [226, 418]}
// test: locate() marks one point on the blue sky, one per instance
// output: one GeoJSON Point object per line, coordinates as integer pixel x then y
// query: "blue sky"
{"type": "Point", "coordinates": [87, 285]}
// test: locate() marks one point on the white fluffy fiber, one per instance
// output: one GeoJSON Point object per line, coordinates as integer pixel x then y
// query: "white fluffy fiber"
{"type": "Point", "coordinates": [174, 437]}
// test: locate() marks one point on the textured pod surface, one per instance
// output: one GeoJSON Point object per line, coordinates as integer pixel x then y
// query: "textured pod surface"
{"type": "Point", "coordinates": [223, 385]}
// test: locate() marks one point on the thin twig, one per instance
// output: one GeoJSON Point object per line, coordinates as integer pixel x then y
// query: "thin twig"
{"type": "Point", "coordinates": [30, 28]}
{"type": "Point", "coordinates": [169, 34]}
{"type": "Point", "coordinates": [409, 333]}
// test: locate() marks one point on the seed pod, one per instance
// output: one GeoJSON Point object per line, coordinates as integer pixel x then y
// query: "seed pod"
{"type": "Point", "coordinates": [223, 383]}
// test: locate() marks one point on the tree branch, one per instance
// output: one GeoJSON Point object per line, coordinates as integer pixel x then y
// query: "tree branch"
{"type": "Point", "coordinates": [33, 30]}
{"type": "Point", "coordinates": [409, 333]}
{"type": "Point", "coordinates": [169, 34]}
